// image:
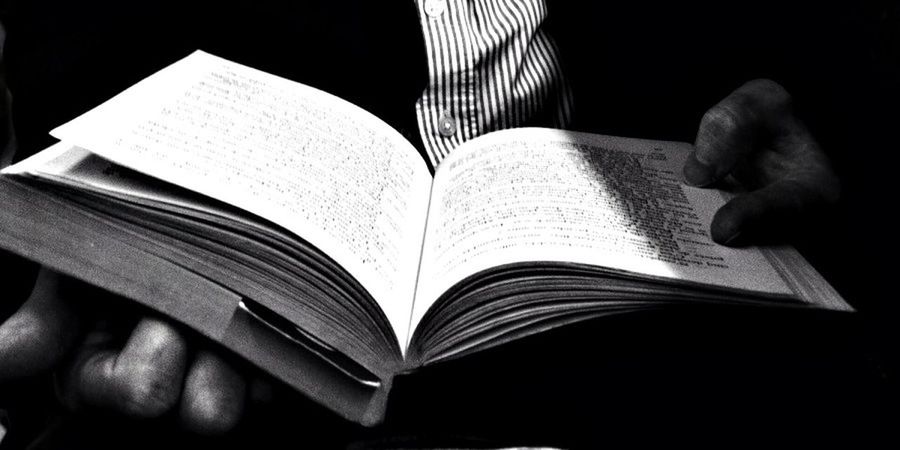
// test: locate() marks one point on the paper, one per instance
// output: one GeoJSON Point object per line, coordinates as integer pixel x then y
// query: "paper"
{"type": "Point", "coordinates": [532, 195]}
{"type": "Point", "coordinates": [313, 163]}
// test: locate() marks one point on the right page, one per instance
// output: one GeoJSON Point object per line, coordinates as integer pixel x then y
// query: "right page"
{"type": "Point", "coordinates": [534, 195]}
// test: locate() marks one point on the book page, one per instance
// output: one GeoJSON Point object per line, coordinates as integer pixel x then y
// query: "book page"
{"type": "Point", "coordinates": [317, 165]}
{"type": "Point", "coordinates": [532, 195]}
{"type": "Point", "coordinates": [74, 166]}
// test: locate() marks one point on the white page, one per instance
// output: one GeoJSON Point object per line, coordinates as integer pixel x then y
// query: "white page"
{"type": "Point", "coordinates": [43, 159]}
{"type": "Point", "coordinates": [306, 160]}
{"type": "Point", "coordinates": [548, 195]}
{"type": "Point", "coordinates": [74, 166]}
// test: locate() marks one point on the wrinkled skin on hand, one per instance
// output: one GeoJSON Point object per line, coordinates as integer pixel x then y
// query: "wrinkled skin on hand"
{"type": "Point", "coordinates": [754, 136]}
{"type": "Point", "coordinates": [142, 371]}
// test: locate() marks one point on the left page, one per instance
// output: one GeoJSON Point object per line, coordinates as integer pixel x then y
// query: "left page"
{"type": "Point", "coordinates": [317, 165]}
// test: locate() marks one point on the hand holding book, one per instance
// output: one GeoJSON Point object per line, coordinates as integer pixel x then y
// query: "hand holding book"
{"type": "Point", "coordinates": [754, 135]}
{"type": "Point", "coordinates": [141, 371]}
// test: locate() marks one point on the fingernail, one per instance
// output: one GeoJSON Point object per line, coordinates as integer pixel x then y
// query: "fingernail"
{"type": "Point", "coordinates": [698, 174]}
{"type": "Point", "coordinates": [734, 240]}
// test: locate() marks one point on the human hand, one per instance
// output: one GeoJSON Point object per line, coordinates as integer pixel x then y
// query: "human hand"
{"type": "Point", "coordinates": [754, 136]}
{"type": "Point", "coordinates": [145, 372]}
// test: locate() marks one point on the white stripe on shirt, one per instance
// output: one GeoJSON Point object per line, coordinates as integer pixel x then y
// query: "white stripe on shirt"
{"type": "Point", "coordinates": [491, 66]}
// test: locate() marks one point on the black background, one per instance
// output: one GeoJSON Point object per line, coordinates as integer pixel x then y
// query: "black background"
{"type": "Point", "coordinates": [645, 69]}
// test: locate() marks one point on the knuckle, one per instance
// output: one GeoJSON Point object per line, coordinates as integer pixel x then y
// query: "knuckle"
{"type": "Point", "coordinates": [770, 92]}
{"type": "Point", "coordinates": [212, 412]}
{"type": "Point", "coordinates": [722, 120]}
{"type": "Point", "coordinates": [149, 394]}
{"type": "Point", "coordinates": [28, 345]}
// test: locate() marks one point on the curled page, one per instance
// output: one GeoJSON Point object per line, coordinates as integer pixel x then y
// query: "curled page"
{"type": "Point", "coordinates": [310, 162]}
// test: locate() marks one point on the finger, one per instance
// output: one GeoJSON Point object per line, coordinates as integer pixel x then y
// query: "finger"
{"type": "Point", "coordinates": [764, 215]}
{"type": "Point", "coordinates": [214, 395]}
{"type": "Point", "coordinates": [730, 130]}
{"type": "Point", "coordinates": [41, 332]}
{"type": "Point", "coordinates": [142, 380]}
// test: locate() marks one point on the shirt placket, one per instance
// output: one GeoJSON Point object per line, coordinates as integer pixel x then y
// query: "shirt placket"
{"type": "Point", "coordinates": [448, 116]}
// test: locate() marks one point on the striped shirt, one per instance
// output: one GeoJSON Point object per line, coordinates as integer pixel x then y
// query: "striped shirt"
{"type": "Point", "coordinates": [491, 66]}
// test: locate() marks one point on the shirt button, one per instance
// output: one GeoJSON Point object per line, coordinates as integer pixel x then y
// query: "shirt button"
{"type": "Point", "coordinates": [447, 125]}
{"type": "Point", "coordinates": [434, 8]}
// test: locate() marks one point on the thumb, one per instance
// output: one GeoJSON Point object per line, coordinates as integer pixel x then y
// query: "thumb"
{"type": "Point", "coordinates": [41, 332]}
{"type": "Point", "coordinates": [764, 215]}
{"type": "Point", "coordinates": [729, 131]}
{"type": "Point", "coordinates": [723, 138]}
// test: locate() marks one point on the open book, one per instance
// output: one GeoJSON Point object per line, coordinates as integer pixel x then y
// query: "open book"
{"type": "Point", "coordinates": [309, 237]}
